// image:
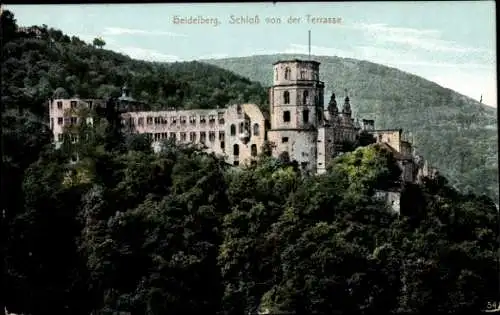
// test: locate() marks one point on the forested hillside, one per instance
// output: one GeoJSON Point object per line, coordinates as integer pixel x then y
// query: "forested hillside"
{"type": "Point", "coordinates": [33, 68]}
{"type": "Point", "coordinates": [127, 231]}
{"type": "Point", "coordinates": [455, 133]}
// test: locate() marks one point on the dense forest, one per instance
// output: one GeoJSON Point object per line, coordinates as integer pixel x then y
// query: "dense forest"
{"type": "Point", "coordinates": [46, 63]}
{"type": "Point", "coordinates": [128, 231]}
{"type": "Point", "coordinates": [457, 134]}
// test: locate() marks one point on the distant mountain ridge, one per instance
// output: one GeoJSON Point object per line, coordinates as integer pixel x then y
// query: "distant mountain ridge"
{"type": "Point", "coordinates": [456, 133]}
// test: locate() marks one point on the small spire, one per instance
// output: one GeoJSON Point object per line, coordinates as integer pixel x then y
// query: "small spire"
{"type": "Point", "coordinates": [347, 106]}
{"type": "Point", "coordinates": [481, 100]}
{"type": "Point", "coordinates": [332, 105]}
{"type": "Point", "coordinates": [333, 101]}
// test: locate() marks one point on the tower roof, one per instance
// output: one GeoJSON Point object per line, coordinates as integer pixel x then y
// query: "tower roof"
{"type": "Point", "coordinates": [297, 60]}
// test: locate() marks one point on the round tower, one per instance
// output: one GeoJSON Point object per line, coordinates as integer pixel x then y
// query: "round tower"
{"type": "Point", "coordinates": [296, 107]}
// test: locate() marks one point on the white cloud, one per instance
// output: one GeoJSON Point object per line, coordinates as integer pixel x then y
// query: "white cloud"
{"type": "Point", "coordinates": [316, 50]}
{"type": "Point", "coordinates": [147, 54]}
{"type": "Point", "coordinates": [471, 84]}
{"type": "Point", "coordinates": [415, 38]}
{"type": "Point", "coordinates": [114, 31]}
{"type": "Point", "coordinates": [397, 57]}
{"type": "Point", "coordinates": [212, 56]}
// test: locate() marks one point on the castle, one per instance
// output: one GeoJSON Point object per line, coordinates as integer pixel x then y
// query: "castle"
{"type": "Point", "coordinates": [299, 125]}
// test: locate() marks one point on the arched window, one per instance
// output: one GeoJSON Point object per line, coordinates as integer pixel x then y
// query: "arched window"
{"type": "Point", "coordinates": [286, 97]}
{"type": "Point", "coordinates": [233, 130]}
{"type": "Point", "coordinates": [286, 116]}
{"type": "Point", "coordinates": [253, 150]}
{"type": "Point", "coordinates": [255, 129]}
{"type": "Point", "coordinates": [305, 116]}
{"type": "Point", "coordinates": [287, 73]}
{"type": "Point", "coordinates": [241, 127]}
{"type": "Point", "coordinates": [305, 96]}
{"type": "Point", "coordinates": [236, 150]}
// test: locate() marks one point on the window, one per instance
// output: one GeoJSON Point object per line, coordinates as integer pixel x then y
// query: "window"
{"type": "Point", "coordinates": [60, 137]}
{"type": "Point", "coordinates": [202, 119]}
{"type": "Point", "coordinates": [172, 135]}
{"type": "Point", "coordinates": [255, 129]}
{"type": "Point", "coordinates": [286, 97]}
{"type": "Point", "coordinates": [287, 73]}
{"type": "Point", "coordinates": [183, 136]}
{"type": "Point", "coordinates": [203, 137]}
{"type": "Point", "coordinates": [242, 127]}
{"type": "Point", "coordinates": [73, 104]}
{"type": "Point", "coordinates": [59, 105]}
{"type": "Point", "coordinates": [305, 115]}
{"type": "Point", "coordinates": [156, 120]}
{"type": "Point", "coordinates": [192, 120]}
{"type": "Point", "coordinates": [173, 120]}
{"type": "Point", "coordinates": [253, 150]}
{"type": "Point", "coordinates": [302, 74]}
{"type": "Point", "coordinates": [140, 121]}
{"type": "Point", "coordinates": [149, 120]}
{"type": "Point", "coordinates": [286, 116]}
{"type": "Point", "coordinates": [305, 97]}
{"type": "Point", "coordinates": [73, 120]}
{"type": "Point", "coordinates": [236, 150]}
{"type": "Point", "coordinates": [236, 163]}
{"type": "Point", "coordinates": [211, 119]}
{"type": "Point", "coordinates": [284, 140]}
{"type": "Point", "coordinates": [192, 136]}
{"type": "Point", "coordinates": [59, 120]}
{"type": "Point", "coordinates": [211, 136]}
{"type": "Point", "coordinates": [90, 104]}
{"type": "Point", "coordinates": [220, 116]}
{"type": "Point", "coordinates": [183, 120]}
{"type": "Point", "coordinates": [221, 135]}
{"type": "Point", "coordinates": [233, 130]}
{"type": "Point", "coordinates": [222, 145]}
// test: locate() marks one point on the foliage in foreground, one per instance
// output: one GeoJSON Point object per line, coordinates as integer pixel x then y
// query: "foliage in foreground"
{"type": "Point", "coordinates": [181, 232]}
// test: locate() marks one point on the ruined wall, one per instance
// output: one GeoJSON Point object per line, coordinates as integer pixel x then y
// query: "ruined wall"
{"type": "Point", "coordinates": [65, 113]}
{"type": "Point", "coordinates": [245, 133]}
{"type": "Point", "coordinates": [204, 127]}
{"type": "Point", "coordinates": [391, 137]}
{"type": "Point", "coordinates": [300, 145]}
{"type": "Point", "coordinates": [325, 148]}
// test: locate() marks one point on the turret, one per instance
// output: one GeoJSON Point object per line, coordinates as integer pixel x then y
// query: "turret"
{"type": "Point", "coordinates": [346, 110]}
{"type": "Point", "coordinates": [125, 91]}
{"type": "Point", "coordinates": [332, 106]}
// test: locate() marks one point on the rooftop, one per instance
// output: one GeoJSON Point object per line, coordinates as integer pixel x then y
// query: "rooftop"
{"type": "Point", "coordinates": [297, 60]}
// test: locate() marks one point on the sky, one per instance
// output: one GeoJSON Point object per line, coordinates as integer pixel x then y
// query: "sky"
{"type": "Point", "coordinates": [452, 43]}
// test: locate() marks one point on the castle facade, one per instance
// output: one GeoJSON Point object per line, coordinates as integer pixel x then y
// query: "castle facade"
{"type": "Point", "coordinates": [299, 125]}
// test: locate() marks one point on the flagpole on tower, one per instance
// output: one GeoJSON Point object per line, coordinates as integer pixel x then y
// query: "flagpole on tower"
{"type": "Point", "coordinates": [309, 46]}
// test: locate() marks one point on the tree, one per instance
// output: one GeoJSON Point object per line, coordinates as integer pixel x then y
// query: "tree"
{"type": "Point", "coordinates": [8, 26]}
{"type": "Point", "coordinates": [98, 42]}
